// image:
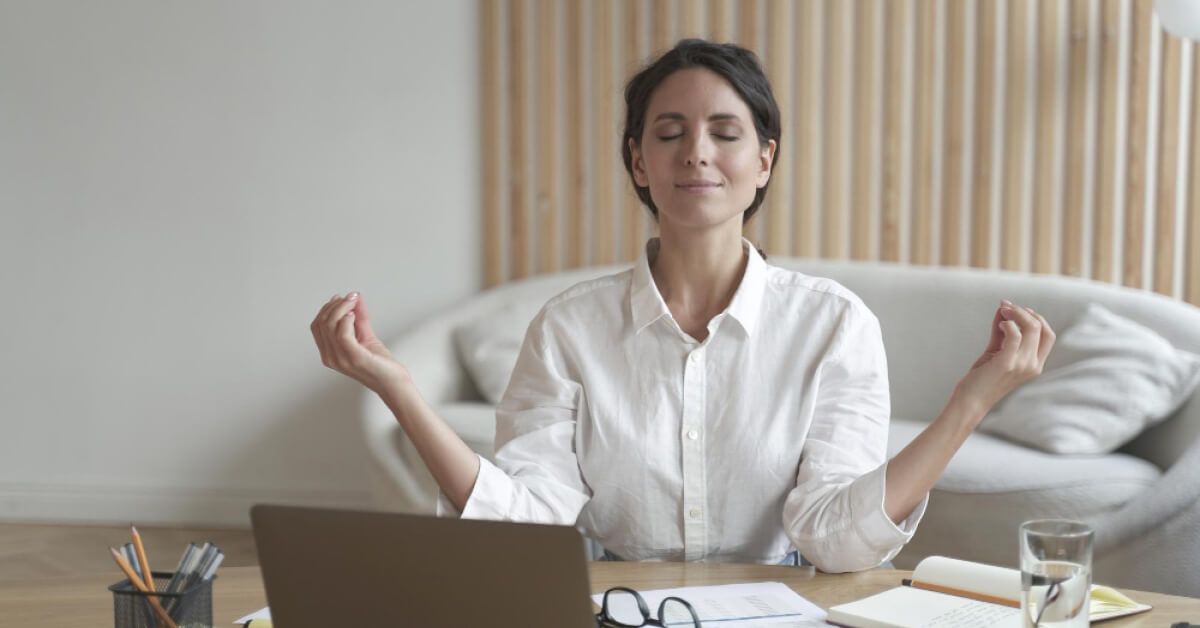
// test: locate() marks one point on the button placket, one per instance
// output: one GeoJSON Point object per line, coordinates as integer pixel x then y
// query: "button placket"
{"type": "Point", "coordinates": [693, 455]}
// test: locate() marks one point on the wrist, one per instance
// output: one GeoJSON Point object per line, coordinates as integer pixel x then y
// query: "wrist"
{"type": "Point", "coordinates": [966, 409]}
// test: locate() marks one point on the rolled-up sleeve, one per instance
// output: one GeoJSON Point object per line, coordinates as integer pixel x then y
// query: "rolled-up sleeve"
{"type": "Point", "coordinates": [536, 476]}
{"type": "Point", "coordinates": [835, 515]}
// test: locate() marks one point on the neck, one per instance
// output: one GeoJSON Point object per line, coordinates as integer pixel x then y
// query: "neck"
{"type": "Point", "coordinates": [697, 272]}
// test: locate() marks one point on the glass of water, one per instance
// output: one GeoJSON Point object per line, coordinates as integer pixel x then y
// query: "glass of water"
{"type": "Point", "coordinates": [1056, 573]}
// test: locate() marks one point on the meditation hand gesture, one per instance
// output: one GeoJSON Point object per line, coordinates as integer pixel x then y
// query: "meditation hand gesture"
{"type": "Point", "coordinates": [347, 344]}
{"type": "Point", "coordinates": [1020, 341]}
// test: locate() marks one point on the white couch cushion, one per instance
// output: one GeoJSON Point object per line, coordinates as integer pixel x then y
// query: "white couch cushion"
{"type": "Point", "coordinates": [1107, 379]}
{"type": "Point", "coordinates": [992, 485]}
{"type": "Point", "coordinates": [489, 345]}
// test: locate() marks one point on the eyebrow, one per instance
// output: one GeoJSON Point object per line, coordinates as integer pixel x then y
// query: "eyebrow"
{"type": "Point", "coordinates": [679, 116]}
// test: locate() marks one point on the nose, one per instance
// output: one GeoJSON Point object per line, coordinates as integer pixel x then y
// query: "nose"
{"type": "Point", "coordinates": [698, 150]}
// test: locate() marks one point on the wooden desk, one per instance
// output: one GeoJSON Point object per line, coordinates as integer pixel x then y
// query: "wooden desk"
{"type": "Point", "coordinates": [86, 601]}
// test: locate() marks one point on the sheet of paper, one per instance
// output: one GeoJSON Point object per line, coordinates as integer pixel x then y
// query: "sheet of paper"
{"type": "Point", "coordinates": [757, 605]}
{"type": "Point", "coordinates": [262, 613]}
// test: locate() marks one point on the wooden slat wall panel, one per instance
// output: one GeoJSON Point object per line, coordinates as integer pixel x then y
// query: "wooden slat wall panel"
{"type": "Point", "coordinates": [491, 143]}
{"type": "Point", "coordinates": [918, 131]}
{"type": "Point", "coordinates": [1016, 136]}
{"type": "Point", "coordinates": [1077, 142]}
{"type": "Point", "coordinates": [1047, 128]}
{"type": "Point", "coordinates": [549, 245]}
{"type": "Point", "coordinates": [954, 136]}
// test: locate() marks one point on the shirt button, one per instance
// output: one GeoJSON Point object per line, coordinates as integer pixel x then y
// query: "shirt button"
{"type": "Point", "coordinates": [693, 434]}
{"type": "Point", "coordinates": [694, 513]}
{"type": "Point", "coordinates": [695, 357]}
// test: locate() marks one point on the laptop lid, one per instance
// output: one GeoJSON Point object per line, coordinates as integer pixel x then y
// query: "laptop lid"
{"type": "Point", "coordinates": [326, 567]}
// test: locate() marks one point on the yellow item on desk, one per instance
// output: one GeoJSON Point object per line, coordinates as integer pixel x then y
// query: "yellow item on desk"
{"type": "Point", "coordinates": [258, 623]}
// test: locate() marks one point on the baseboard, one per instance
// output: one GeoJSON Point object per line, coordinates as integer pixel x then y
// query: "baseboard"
{"type": "Point", "coordinates": [64, 503]}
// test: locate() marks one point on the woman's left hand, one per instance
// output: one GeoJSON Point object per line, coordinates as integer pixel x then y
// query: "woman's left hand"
{"type": "Point", "coordinates": [1016, 352]}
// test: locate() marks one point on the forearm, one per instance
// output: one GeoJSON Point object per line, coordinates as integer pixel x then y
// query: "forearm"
{"type": "Point", "coordinates": [451, 461]}
{"type": "Point", "coordinates": [913, 472]}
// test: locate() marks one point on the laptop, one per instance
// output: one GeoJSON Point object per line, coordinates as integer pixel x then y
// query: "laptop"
{"type": "Point", "coordinates": [325, 567]}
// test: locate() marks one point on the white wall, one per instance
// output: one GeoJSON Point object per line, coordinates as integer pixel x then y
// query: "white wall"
{"type": "Point", "coordinates": [182, 186]}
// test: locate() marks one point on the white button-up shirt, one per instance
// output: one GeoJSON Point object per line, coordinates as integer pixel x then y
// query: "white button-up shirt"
{"type": "Point", "coordinates": [768, 436]}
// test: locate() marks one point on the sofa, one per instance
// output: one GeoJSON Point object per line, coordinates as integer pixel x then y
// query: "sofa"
{"type": "Point", "coordinates": [1141, 499]}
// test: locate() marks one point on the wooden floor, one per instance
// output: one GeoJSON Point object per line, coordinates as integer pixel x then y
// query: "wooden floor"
{"type": "Point", "coordinates": [48, 551]}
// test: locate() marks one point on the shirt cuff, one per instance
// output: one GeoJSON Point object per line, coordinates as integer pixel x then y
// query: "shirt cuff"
{"type": "Point", "coordinates": [874, 525]}
{"type": "Point", "coordinates": [489, 498]}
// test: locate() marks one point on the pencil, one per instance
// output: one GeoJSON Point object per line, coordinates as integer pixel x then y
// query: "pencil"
{"type": "Point", "coordinates": [141, 586]}
{"type": "Point", "coordinates": [147, 574]}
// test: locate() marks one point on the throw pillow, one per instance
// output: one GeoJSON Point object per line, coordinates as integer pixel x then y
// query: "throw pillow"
{"type": "Point", "coordinates": [1107, 379]}
{"type": "Point", "coordinates": [490, 344]}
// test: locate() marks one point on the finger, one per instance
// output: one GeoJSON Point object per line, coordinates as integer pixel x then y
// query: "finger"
{"type": "Point", "coordinates": [1012, 342]}
{"type": "Point", "coordinates": [362, 320]}
{"type": "Point", "coordinates": [1031, 332]}
{"type": "Point", "coordinates": [997, 335]}
{"type": "Point", "coordinates": [1048, 338]}
{"type": "Point", "coordinates": [318, 331]}
{"type": "Point", "coordinates": [338, 309]}
{"type": "Point", "coordinates": [348, 347]}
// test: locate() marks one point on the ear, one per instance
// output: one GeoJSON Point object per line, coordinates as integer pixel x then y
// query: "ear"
{"type": "Point", "coordinates": [639, 166]}
{"type": "Point", "coordinates": [766, 157]}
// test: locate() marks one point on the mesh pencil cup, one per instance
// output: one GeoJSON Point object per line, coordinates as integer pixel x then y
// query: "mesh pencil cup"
{"type": "Point", "coordinates": [190, 608]}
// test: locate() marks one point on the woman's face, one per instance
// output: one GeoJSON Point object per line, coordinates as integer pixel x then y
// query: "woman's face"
{"type": "Point", "coordinates": [700, 154]}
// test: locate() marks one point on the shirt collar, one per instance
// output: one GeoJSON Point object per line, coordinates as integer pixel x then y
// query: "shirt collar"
{"type": "Point", "coordinates": [647, 305]}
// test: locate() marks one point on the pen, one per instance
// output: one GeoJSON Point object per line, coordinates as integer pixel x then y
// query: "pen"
{"type": "Point", "coordinates": [141, 586]}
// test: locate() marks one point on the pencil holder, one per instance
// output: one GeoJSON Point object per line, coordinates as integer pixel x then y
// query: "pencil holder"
{"type": "Point", "coordinates": [189, 608]}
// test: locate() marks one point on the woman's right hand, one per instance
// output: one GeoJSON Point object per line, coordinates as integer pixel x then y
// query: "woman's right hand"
{"type": "Point", "coordinates": [342, 330]}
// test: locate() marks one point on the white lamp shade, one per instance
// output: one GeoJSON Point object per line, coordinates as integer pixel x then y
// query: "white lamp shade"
{"type": "Point", "coordinates": [1179, 17]}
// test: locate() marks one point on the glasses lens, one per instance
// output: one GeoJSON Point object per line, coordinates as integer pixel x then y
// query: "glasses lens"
{"type": "Point", "coordinates": [623, 609]}
{"type": "Point", "coordinates": [676, 612]}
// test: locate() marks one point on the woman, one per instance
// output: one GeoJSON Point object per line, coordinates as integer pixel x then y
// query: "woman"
{"type": "Point", "coordinates": [703, 405]}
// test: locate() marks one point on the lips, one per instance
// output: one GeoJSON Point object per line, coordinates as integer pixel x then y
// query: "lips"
{"type": "Point", "coordinates": [697, 185]}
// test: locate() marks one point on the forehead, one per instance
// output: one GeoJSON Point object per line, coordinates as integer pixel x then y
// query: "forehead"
{"type": "Point", "coordinates": [696, 93]}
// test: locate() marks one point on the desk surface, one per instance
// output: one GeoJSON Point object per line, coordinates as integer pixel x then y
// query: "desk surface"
{"type": "Point", "coordinates": [86, 601]}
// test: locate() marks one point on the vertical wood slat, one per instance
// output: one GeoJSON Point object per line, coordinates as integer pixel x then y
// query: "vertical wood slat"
{"type": "Point", "coordinates": [689, 19]}
{"type": "Point", "coordinates": [1077, 100]}
{"type": "Point", "coordinates": [603, 211]}
{"type": "Point", "coordinates": [837, 136]}
{"type": "Point", "coordinates": [1012, 223]}
{"type": "Point", "coordinates": [981, 182]}
{"type": "Point", "coordinates": [1191, 284]}
{"type": "Point", "coordinates": [631, 206]}
{"type": "Point", "coordinates": [1135, 175]}
{"type": "Point", "coordinates": [808, 172]}
{"type": "Point", "coordinates": [1045, 136]}
{"type": "Point", "coordinates": [662, 31]}
{"type": "Point", "coordinates": [577, 174]}
{"type": "Point", "coordinates": [924, 92]}
{"type": "Point", "coordinates": [1106, 130]}
{"type": "Point", "coordinates": [518, 57]}
{"type": "Point", "coordinates": [719, 23]}
{"type": "Point", "coordinates": [748, 37]}
{"type": "Point", "coordinates": [1168, 159]}
{"type": "Point", "coordinates": [953, 140]}
{"type": "Point", "coordinates": [866, 132]}
{"type": "Point", "coordinates": [780, 72]}
{"type": "Point", "coordinates": [549, 245]}
{"type": "Point", "coordinates": [490, 51]}
{"type": "Point", "coordinates": [894, 123]}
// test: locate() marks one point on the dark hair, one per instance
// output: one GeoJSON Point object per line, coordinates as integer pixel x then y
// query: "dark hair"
{"type": "Point", "coordinates": [737, 65]}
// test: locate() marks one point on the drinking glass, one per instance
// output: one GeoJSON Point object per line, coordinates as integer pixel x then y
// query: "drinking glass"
{"type": "Point", "coordinates": [1056, 573]}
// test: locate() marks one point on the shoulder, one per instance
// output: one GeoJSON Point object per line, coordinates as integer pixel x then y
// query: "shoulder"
{"type": "Point", "coordinates": [588, 301]}
{"type": "Point", "coordinates": [794, 289]}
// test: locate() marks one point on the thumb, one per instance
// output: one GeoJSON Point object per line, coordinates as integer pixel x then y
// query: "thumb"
{"type": "Point", "coordinates": [362, 321]}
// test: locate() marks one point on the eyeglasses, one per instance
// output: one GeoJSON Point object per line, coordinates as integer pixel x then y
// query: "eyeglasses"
{"type": "Point", "coordinates": [625, 608]}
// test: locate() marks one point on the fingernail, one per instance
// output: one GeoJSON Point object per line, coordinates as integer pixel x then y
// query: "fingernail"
{"type": "Point", "coordinates": [352, 296]}
{"type": "Point", "coordinates": [1006, 302]}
